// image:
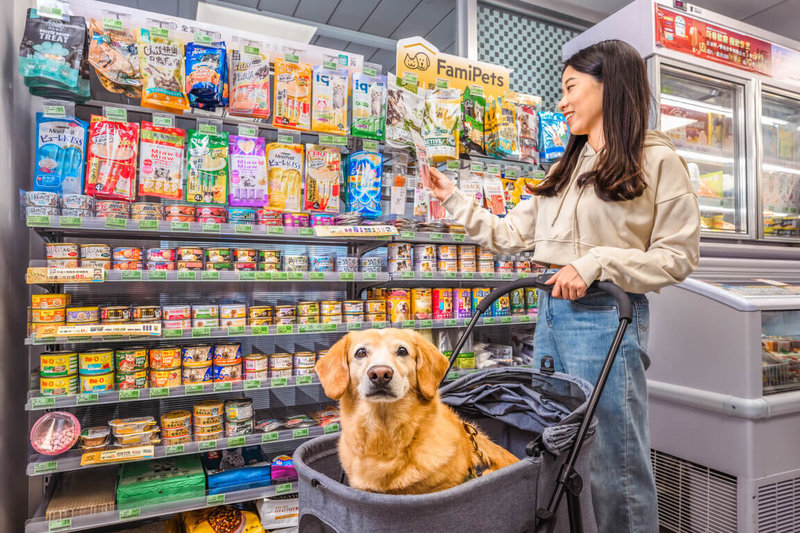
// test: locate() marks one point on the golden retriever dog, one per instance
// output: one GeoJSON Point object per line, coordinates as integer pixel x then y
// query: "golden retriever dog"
{"type": "Point", "coordinates": [397, 436]}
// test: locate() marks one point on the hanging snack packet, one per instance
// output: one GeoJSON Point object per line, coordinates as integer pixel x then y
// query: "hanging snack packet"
{"type": "Point", "coordinates": [161, 161]}
{"type": "Point", "coordinates": [471, 184]}
{"type": "Point", "coordinates": [248, 171]}
{"type": "Point", "coordinates": [60, 153]}
{"type": "Point", "coordinates": [205, 74]}
{"type": "Point", "coordinates": [528, 127]}
{"type": "Point", "coordinates": [364, 181]}
{"type": "Point", "coordinates": [207, 168]}
{"type": "Point", "coordinates": [113, 54]}
{"type": "Point", "coordinates": [493, 193]}
{"type": "Point", "coordinates": [162, 69]}
{"type": "Point", "coordinates": [292, 95]}
{"type": "Point", "coordinates": [473, 106]}
{"type": "Point", "coordinates": [421, 201]}
{"type": "Point", "coordinates": [249, 83]}
{"type": "Point", "coordinates": [405, 111]}
{"type": "Point", "coordinates": [369, 106]}
{"type": "Point", "coordinates": [323, 175]}
{"type": "Point", "coordinates": [442, 123]}
{"type": "Point", "coordinates": [507, 137]}
{"type": "Point", "coordinates": [111, 159]}
{"type": "Point", "coordinates": [51, 52]}
{"type": "Point", "coordinates": [329, 112]}
{"type": "Point", "coordinates": [553, 136]}
{"type": "Point", "coordinates": [285, 176]}
{"type": "Point", "coordinates": [490, 126]}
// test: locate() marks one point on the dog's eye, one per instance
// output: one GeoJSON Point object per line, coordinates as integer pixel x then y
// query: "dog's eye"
{"type": "Point", "coordinates": [402, 352]}
{"type": "Point", "coordinates": [360, 353]}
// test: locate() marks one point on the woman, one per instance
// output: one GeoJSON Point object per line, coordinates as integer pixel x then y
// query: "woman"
{"type": "Point", "coordinates": [618, 206]}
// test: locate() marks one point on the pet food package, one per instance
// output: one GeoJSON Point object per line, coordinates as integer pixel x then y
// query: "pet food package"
{"type": "Point", "coordinates": [285, 176]}
{"type": "Point", "coordinates": [405, 112]}
{"type": "Point", "coordinates": [279, 511]}
{"type": "Point", "coordinates": [249, 83]}
{"type": "Point", "coordinates": [553, 136]}
{"type": "Point", "coordinates": [248, 157]}
{"type": "Point", "coordinates": [111, 159]}
{"type": "Point", "coordinates": [369, 106]}
{"type": "Point", "coordinates": [206, 75]}
{"type": "Point", "coordinates": [441, 123]}
{"type": "Point", "coordinates": [292, 95]}
{"type": "Point", "coordinates": [161, 65]}
{"type": "Point", "coordinates": [493, 192]}
{"type": "Point", "coordinates": [364, 181]}
{"type": "Point", "coordinates": [528, 126]}
{"type": "Point", "coordinates": [221, 519]}
{"type": "Point", "coordinates": [60, 154]}
{"type": "Point", "coordinates": [329, 112]}
{"type": "Point", "coordinates": [161, 161]}
{"type": "Point", "coordinates": [473, 109]}
{"type": "Point", "coordinates": [113, 54]}
{"type": "Point", "coordinates": [501, 138]}
{"type": "Point", "coordinates": [323, 176]}
{"type": "Point", "coordinates": [471, 183]}
{"type": "Point", "coordinates": [207, 167]}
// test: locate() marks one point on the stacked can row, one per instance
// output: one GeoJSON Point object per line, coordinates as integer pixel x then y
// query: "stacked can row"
{"type": "Point", "coordinates": [209, 420]}
{"type": "Point", "coordinates": [407, 257]}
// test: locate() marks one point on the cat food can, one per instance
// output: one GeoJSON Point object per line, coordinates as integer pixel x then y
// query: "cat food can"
{"type": "Point", "coordinates": [285, 373]}
{"type": "Point", "coordinates": [127, 254]}
{"type": "Point", "coordinates": [170, 377]}
{"type": "Point", "coordinates": [485, 254]}
{"type": "Point", "coordinates": [400, 265]}
{"type": "Point", "coordinates": [185, 323]}
{"type": "Point", "coordinates": [235, 429]}
{"type": "Point", "coordinates": [331, 319]}
{"type": "Point", "coordinates": [462, 303]}
{"type": "Point", "coordinates": [447, 265]}
{"type": "Point", "coordinates": [97, 382]}
{"type": "Point", "coordinates": [268, 267]}
{"type": "Point", "coordinates": [205, 322]}
{"type": "Point", "coordinates": [82, 315]}
{"type": "Point", "coordinates": [205, 311]}
{"type": "Point", "coordinates": [305, 371]}
{"type": "Point", "coordinates": [398, 250]}
{"type": "Point", "coordinates": [260, 311]}
{"type": "Point", "coordinates": [180, 210]}
{"type": "Point", "coordinates": [232, 322]}
{"type": "Point", "coordinates": [375, 317]}
{"type": "Point", "coordinates": [233, 311]}
{"type": "Point", "coordinates": [375, 306]}
{"type": "Point", "coordinates": [50, 301]}
{"type": "Point", "coordinates": [295, 263]}
{"type": "Point", "coordinates": [467, 251]}
{"type": "Point", "coordinates": [36, 210]}
{"type": "Point", "coordinates": [308, 308]}
{"type": "Point", "coordinates": [112, 206]}
{"type": "Point", "coordinates": [347, 264]}
{"type": "Point", "coordinates": [77, 201]}
{"type": "Point", "coordinates": [285, 311]}
{"type": "Point", "coordinates": [253, 374]}
{"type": "Point", "coordinates": [245, 266]}
{"type": "Point", "coordinates": [41, 199]}
{"type": "Point", "coordinates": [189, 266]}
{"type": "Point", "coordinates": [504, 265]}
{"type": "Point", "coordinates": [115, 313]}
{"type": "Point", "coordinates": [467, 265]}
{"type": "Point", "coordinates": [442, 303]}
{"type": "Point", "coordinates": [165, 357]}
{"type": "Point", "coordinates": [220, 266]}
{"type": "Point", "coordinates": [478, 294]}
{"type": "Point", "coordinates": [96, 362]}
{"type": "Point", "coordinates": [146, 313]}
{"type": "Point", "coordinates": [353, 318]}
{"type": "Point", "coordinates": [371, 263]}
{"type": "Point", "coordinates": [63, 263]}
{"type": "Point", "coordinates": [127, 265]}
{"type": "Point", "coordinates": [260, 321]}
{"type": "Point", "coordinates": [350, 307]}
{"type": "Point", "coordinates": [256, 362]}
{"type": "Point", "coordinates": [321, 263]}
{"type": "Point", "coordinates": [95, 251]}
{"type": "Point", "coordinates": [425, 252]}
{"type": "Point", "coordinates": [58, 364]}
{"type": "Point", "coordinates": [310, 319]}
{"type": "Point", "coordinates": [58, 386]}
{"type": "Point", "coordinates": [421, 304]}
{"type": "Point", "coordinates": [176, 419]}
{"type": "Point", "coordinates": [245, 254]}
{"type": "Point", "coordinates": [208, 408]}
{"type": "Point", "coordinates": [218, 255]}
{"type": "Point", "coordinates": [105, 264]}
{"type": "Point", "coordinates": [447, 252]}
{"type": "Point", "coordinates": [522, 265]}
{"type": "Point", "coordinates": [189, 254]}
{"type": "Point", "coordinates": [485, 266]}
{"type": "Point", "coordinates": [269, 256]}
{"type": "Point", "coordinates": [197, 374]}
{"type": "Point", "coordinates": [131, 380]}
{"type": "Point", "coordinates": [131, 359]}
{"type": "Point", "coordinates": [200, 355]}
{"type": "Point", "coordinates": [61, 250]}
{"type": "Point", "coordinates": [425, 265]}
{"type": "Point", "coordinates": [160, 255]}
{"type": "Point", "coordinates": [239, 410]}
{"type": "Point", "coordinates": [176, 312]}
{"type": "Point", "coordinates": [231, 372]}
{"type": "Point", "coordinates": [285, 320]}
{"type": "Point", "coordinates": [305, 359]}
{"type": "Point", "coordinates": [331, 307]}
{"type": "Point", "coordinates": [48, 316]}
{"type": "Point", "coordinates": [228, 354]}
{"type": "Point", "coordinates": [378, 293]}
{"type": "Point", "coordinates": [280, 361]}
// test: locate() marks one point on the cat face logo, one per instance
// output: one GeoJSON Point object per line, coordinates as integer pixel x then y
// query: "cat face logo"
{"type": "Point", "coordinates": [420, 61]}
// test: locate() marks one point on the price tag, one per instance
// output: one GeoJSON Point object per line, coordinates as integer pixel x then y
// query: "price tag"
{"type": "Point", "coordinates": [303, 380]}
{"type": "Point", "coordinates": [279, 276]}
{"type": "Point", "coordinates": [450, 322]}
{"type": "Point", "coordinates": [251, 50]}
{"type": "Point", "coordinates": [225, 386]}
{"type": "Point", "coordinates": [38, 221]}
{"type": "Point", "coordinates": [408, 323]}
{"type": "Point", "coordinates": [117, 223]}
{"type": "Point", "coordinates": [171, 333]}
{"type": "Point", "coordinates": [524, 318]}
{"type": "Point", "coordinates": [285, 139]}
{"type": "Point", "coordinates": [117, 114]}
{"type": "Point", "coordinates": [252, 384]}
{"type": "Point", "coordinates": [193, 388]}
{"type": "Point", "coordinates": [247, 276]}
{"type": "Point", "coordinates": [300, 433]}
{"type": "Point", "coordinates": [45, 468]}
{"type": "Point", "coordinates": [175, 449]}
{"type": "Point", "coordinates": [493, 169]}
{"type": "Point", "coordinates": [209, 275]}
{"type": "Point", "coordinates": [60, 524]}
{"type": "Point", "coordinates": [159, 32]}
{"type": "Point", "coordinates": [132, 275]}
{"type": "Point", "coordinates": [128, 395]}
{"type": "Point", "coordinates": [235, 442]}
{"type": "Point", "coordinates": [235, 330]}
{"type": "Point", "coordinates": [292, 58]}
{"type": "Point", "coordinates": [347, 276]}
{"type": "Point", "coordinates": [283, 488]}
{"type": "Point", "coordinates": [148, 225]}
{"type": "Point", "coordinates": [309, 328]}
{"type": "Point", "coordinates": [458, 237]}
{"type": "Point", "coordinates": [452, 375]}
{"type": "Point", "coordinates": [112, 24]}
{"type": "Point", "coordinates": [215, 499]}
{"type": "Point", "coordinates": [54, 111]}
{"type": "Point", "coordinates": [285, 329]}
{"type": "Point", "coordinates": [369, 276]}
{"type": "Point", "coordinates": [157, 275]}
{"type": "Point", "coordinates": [488, 321]}
{"type": "Point", "coordinates": [505, 320]}
{"type": "Point", "coordinates": [467, 275]}
{"type": "Point", "coordinates": [410, 79]}
{"type": "Point", "coordinates": [187, 275]}
{"type": "Point", "coordinates": [275, 230]}
{"type": "Point", "coordinates": [329, 65]}
{"type": "Point", "coordinates": [202, 37]}
{"type": "Point", "coordinates": [305, 231]}
{"type": "Point", "coordinates": [506, 275]}
{"type": "Point", "coordinates": [296, 276]}
{"type": "Point", "coordinates": [427, 275]}
{"type": "Point", "coordinates": [488, 275]}
{"type": "Point", "coordinates": [353, 326]}
{"type": "Point", "coordinates": [407, 275]}
{"type": "Point", "coordinates": [71, 222]}
{"type": "Point", "coordinates": [330, 327]}
{"type": "Point", "coordinates": [163, 121]}
{"type": "Point", "coordinates": [206, 445]}
{"type": "Point", "coordinates": [86, 398]}
{"type": "Point", "coordinates": [43, 403]}
{"type": "Point", "coordinates": [370, 146]}
{"type": "Point", "coordinates": [378, 325]}
{"type": "Point", "coordinates": [407, 234]}
{"type": "Point", "coordinates": [211, 227]}
{"type": "Point", "coordinates": [260, 330]}
{"type": "Point", "coordinates": [332, 428]}
{"type": "Point", "coordinates": [201, 332]}
{"type": "Point", "coordinates": [510, 173]}
{"type": "Point", "coordinates": [243, 228]}
{"type": "Point", "coordinates": [476, 166]}
{"type": "Point", "coordinates": [452, 164]}
{"type": "Point", "coordinates": [449, 275]}
{"type": "Point", "coordinates": [269, 437]}
{"type": "Point", "coordinates": [208, 128]}
{"type": "Point", "coordinates": [159, 392]}
{"type": "Point", "coordinates": [436, 236]}
{"type": "Point", "coordinates": [247, 130]}
{"type": "Point", "coordinates": [263, 276]}
{"type": "Point", "coordinates": [442, 83]}
{"type": "Point", "coordinates": [278, 382]}
{"type": "Point", "coordinates": [177, 225]}
{"type": "Point", "coordinates": [130, 514]}
{"type": "Point", "coordinates": [426, 323]}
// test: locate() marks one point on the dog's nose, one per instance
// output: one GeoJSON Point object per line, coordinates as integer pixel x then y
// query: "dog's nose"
{"type": "Point", "coordinates": [380, 375]}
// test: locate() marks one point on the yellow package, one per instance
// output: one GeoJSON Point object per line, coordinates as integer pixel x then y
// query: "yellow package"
{"type": "Point", "coordinates": [222, 519]}
{"type": "Point", "coordinates": [292, 95]}
{"type": "Point", "coordinates": [161, 63]}
{"type": "Point", "coordinates": [521, 189]}
{"type": "Point", "coordinates": [329, 112]}
{"type": "Point", "coordinates": [285, 176]}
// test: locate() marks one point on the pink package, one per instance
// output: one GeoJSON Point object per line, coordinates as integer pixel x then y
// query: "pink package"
{"type": "Point", "coordinates": [248, 160]}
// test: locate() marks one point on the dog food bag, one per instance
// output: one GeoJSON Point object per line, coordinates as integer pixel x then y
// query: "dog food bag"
{"type": "Point", "coordinates": [292, 95]}
{"type": "Point", "coordinates": [442, 124]}
{"type": "Point", "coordinates": [221, 519]}
{"type": "Point", "coordinates": [207, 168]}
{"type": "Point", "coordinates": [114, 56]}
{"type": "Point", "coordinates": [323, 177]}
{"type": "Point", "coordinates": [364, 181]}
{"type": "Point", "coordinates": [161, 65]}
{"type": "Point", "coordinates": [60, 153]}
{"type": "Point", "coordinates": [51, 51]}
{"type": "Point", "coordinates": [285, 176]}
{"type": "Point", "coordinates": [473, 108]}
{"type": "Point", "coordinates": [369, 106]}
{"type": "Point", "coordinates": [161, 161]}
{"type": "Point", "coordinates": [111, 159]}
{"type": "Point", "coordinates": [405, 112]}
{"type": "Point", "coordinates": [528, 127]}
{"type": "Point", "coordinates": [329, 112]}
{"type": "Point", "coordinates": [249, 83]}
{"type": "Point", "coordinates": [248, 171]}
{"type": "Point", "coordinates": [206, 74]}
{"type": "Point", "coordinates": [553, 136]}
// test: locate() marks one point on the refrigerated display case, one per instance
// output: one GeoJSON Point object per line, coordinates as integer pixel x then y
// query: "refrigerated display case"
{"type": "Point", "coordinates": [780, 166]}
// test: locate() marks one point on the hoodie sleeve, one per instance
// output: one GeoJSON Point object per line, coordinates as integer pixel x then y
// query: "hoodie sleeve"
{"type": "Point", "coordinates": [674, 249]}
{"type": "Point", "coordinates": [508, 235]}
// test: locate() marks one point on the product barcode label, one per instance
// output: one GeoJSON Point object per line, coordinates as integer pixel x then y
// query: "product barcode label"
{"type": "Point", "coordinates": [157, 275]}
{"type": "Point", "coordinates": [206, 445]}
{"type": "Point", "coordinates": [260, 330]}
{"type": "Point", "coordinates": [247, 276]}
{"type": "Point", "coordinates": [332, 428]}
{"type": "Point", "coordinates": [174, 449]}
{"type": "Point", "coordinates": [279, 276]}
{"type": "Point", "coordinates": [148, 225]}
{"type": "Point", "coordinates": [352, 326]}
{"type": "Point", "coordinates": [38, 220]}
{"type": "Point", "coordinates": [269, 437]}
{"type": "Point", "coordinates": [427, 275]}
{"type": "Point", "coordinates": [505, 320]}
{"type": "Point", "coordinates": [426, 323]}
{"type": "Point", "coordinates": [201, 332]}
{"type": "Point", "coordinates": [488, 320]}
{"type": "Point", "coordinates": [243, 228]}
{"type": "Point", "coordinates": [458, 237]}
{"type": "Point", "coordinates": [130, 514]}
{"type": "Point", "coordinates": [235, 330]}
{"type": "Point", "coordinates": [177, 225]}
{"type": "Point", "coordinates": [347, 276]}
{"type": "Point", "coordinates": [131, 275]}
{"type": "Point", "coordinates": [408, 323]}
{"type": "Point", "coordinates": [275, 230]}
{"type": "Point", "coordinates": [330, 327]}
{"type": "Point", "coordinates": [211, 227]}
{"type": "Point", "coordinates": [167, 333]}
{"type": "Point", "coordinates": [209, 275]}
{"type": "Point", "coordinates": [128, 395]}
{"type": "Point", "coordinates": [59, 525]}
{"type": "Point", "coordinates": [235, 442]}
{"type": "Point", "coordinates": [70, 222]}
{"type": "Point", "coordinates": [407, 234]}
{"type": "Point", "coordinates": [215, 499]}
{"type": "Point", "coordinates": [223, 386]}
{"type": "Point", "coordinates": [295, 276]}
{"type": "Point", "coordinates": [285, 329]}
{"type": "Point", "coordinates": [42, 403]}
{"type": "Point", "coordinates": [251, 384]}
{"type": "Point", "coordinates": [525, 318]}
{"type": "Point", "coordinates": [300, 433]}
{"type": "Point", "coordinates": [452, 375]}
{"type": "Point", "coordinates": [303, 380]}
{"type": "Point", "coordinates": [378, 325]}
{"type": "Point", "coordinates": [305, 231]}
{"type": "Point", "coordinates": [193, 388]}
{"type": "Point", "coordinates": [450, 322]}
{"type": "Point", "coordinates": [187, 275]}
{"type": "Point", "coordinates": [159, 392]}
{"type": "Point", "coordinates": [278, 382]}
{"type": "Point", "coordinates": [116, 223]}
{"type": "Point", "coordinates": [284, 488]}
{"type": "Point", "coordinates": [86, 398]}
{"type": "Point", "coordinates": [45, 468]}
{"type": "Point", "coordinates": [370, 276]}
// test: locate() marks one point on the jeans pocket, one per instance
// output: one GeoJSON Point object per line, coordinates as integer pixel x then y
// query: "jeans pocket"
{"type": "Point", "coordinates": [593, 303]}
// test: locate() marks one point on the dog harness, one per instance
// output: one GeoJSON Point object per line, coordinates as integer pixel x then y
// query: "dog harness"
{"type": "Point", "coordinates": [483, 466]}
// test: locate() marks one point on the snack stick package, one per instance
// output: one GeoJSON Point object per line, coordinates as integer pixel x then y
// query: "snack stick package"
{"type": "Point", "coordinates": [248, 156]}
{"type": "Point", "coordinates": [442, 123]}
{"type": "Point", "coordinates": [528, 127]}
{"type": "Point", "coordinates": [285, 176]}
{"type": "Point", "coordinates": [329, 112]}
{"type": "Point", "coordinates": [292, 95]}
{"type": "Point", "coordinates": [111, 159]}
{"type": "Point", "coordinates": [249, 84]}
{"type": "Point", "coordinates": [369, 106]}
{"type": "Point", "coordinates": [323, 177]}
{"type": "Point", "coordinates": [471, 184]}
{"type": "Point", "coordinates": [493, 193]}
{"type": "Point", "coordinates": [207, 168]}
{"type": "Point", "coordinates": [161, 65]}
{"type": "Point", "coordinates": [161, 161]}
{"type": "Point", "coordinates": [60, 154]}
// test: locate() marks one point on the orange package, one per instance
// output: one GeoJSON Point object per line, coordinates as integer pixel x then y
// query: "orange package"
{"type": "Point", "coordinates": [292, 95]}
{"type": "Point", "coordinates": [162, 67]}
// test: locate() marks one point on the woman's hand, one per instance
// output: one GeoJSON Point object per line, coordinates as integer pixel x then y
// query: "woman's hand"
{"type": "Point", "coordinates": [567, 284]}
{"type": "Point", "coordinates": [442, 186]}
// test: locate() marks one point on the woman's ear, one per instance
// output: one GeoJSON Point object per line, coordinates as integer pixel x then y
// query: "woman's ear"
{"type": "Point", "coordinates": [333, 369]}
{"type": "Point", "coordinates": [431, 366]}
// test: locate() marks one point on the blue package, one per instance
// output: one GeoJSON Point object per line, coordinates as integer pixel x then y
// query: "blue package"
{"type": "Point", "coordinates": [60, 154]}
{"type": "Point", "coordinates": [206, 75]}
{"type": "Point", "coordinates": [236, 469]}
{"type": "Point", "coordinates": [553, 136]}
{"type": "Point", "coordinates": [364, 183]}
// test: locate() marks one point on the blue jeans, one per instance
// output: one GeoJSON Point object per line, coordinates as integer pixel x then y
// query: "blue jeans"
{"type": "Point", "coordinates": [578, 334]}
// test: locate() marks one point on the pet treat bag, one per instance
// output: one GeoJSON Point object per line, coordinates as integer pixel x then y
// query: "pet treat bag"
{"type": "Point", "coordinates": [161, 65]}
{"type": "Point", "coordinates": [206, 68]}
{"type": "Point", "coordinates": [369, 106]}
{"type": "Point", "coordinates": [553, 136]}
{"type": "Point", "coordinates": [249, 84]}
{"type": "Point", "coordinates": [364, 182]}
{"type": "Point", "coordinates": [473, 108]}
{"type": "Point", "coordinates": [114, 56]}
{"type": "Point", "coordinates": [528, 127]}
{"type": "Point", "coordinates": [471, 184]}
{"type": "Point", "coordinates": [52, 50]}
{"type": "Point", "coordinates": [292, 95]}
{"type": "Point", "coordinates": [323, 176]}
{"type": "Point", "coordinates": [207, 168]}
{"type": "Point", "coordinates": [405, 111]}
{"type": "Point", "coordinates": [329, 112]}
{"type": "Point", "coordinates": [441, 124]}
{"type": "Point", "coordinates": [60, 153]}
{"type": "Point", "coordinates": [248, 171]}
{"type": "Point", "coordinates": [285, 176]}
{"type": "Point", "coordinates": [111, 159]}
{"type": "Point", "coordinates": [494, 194]}
{"type": "Point", "coordinates": [161, 161]}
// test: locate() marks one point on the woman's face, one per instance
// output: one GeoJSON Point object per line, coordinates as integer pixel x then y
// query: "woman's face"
{"type": "Point", "coordinates": [582, 103]}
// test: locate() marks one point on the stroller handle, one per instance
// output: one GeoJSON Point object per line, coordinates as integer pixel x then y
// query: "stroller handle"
{"type": "Point", "coordinates": [624, 305]}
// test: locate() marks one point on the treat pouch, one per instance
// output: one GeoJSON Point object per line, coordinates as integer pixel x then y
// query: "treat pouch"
{"type": "Point", "coordinates": [323, 176]}
{"type": "Point", "coordinates": [249, 84]}
{"type": "Point", "coordinates": [292, 95]}
{"type": "Point", "coordinates": [329, 112]}
{"type": "Point", "coordinates": [206, 74]}
{"type": "Point", "coordinates": [471, 184]}
{"type": "Point", "coordinates": [442, 123]}
{"type": "Point", "coordinates": [285, 176]}
{"type": "Point", "coordinates": [111, 159]}
{"type": "Point", "coordinates": [364, 181]}
{"type": "Point", "coordinates": [369, 106]}
{"type": "Point", "coordinates": [248, 171]}
{"type": "Point", "coordinates": [114, 56]}
{"type": "Point", "coordinates": [161, 64]}
{"type": "Point", "coordinates": [473, 108]}
{"type": "Point", "coordinates": [161, 161]}
{"type": "Point", "coordinates": [207, 168]}
{"type": "Point", "coordinates": [52, 50]}
{"type": "Point", "coordinates": [553, 136]}
{"type": "Point", "coordinates": [405, 111]}
{"type": "Point", "coordinates": [494, 194]}
{"type": "Point", "coordinates": [60, 154]}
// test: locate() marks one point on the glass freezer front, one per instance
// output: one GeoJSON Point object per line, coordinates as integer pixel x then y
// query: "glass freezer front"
{"type": "Point", "coordinates": [780, 164]}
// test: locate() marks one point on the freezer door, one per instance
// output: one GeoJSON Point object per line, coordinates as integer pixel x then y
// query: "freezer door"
{"type": "Point", "coordinates": [780, 164]}
{"type": "Point", "coordinates": [705, 119]}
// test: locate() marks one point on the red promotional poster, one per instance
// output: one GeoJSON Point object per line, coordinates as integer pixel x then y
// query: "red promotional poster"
{"type": "Point", "coordinates": [682, 33]}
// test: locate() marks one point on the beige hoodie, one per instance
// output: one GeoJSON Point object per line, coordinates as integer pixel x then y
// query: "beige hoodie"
{"type": "Point", "coordinates": [642, 244]}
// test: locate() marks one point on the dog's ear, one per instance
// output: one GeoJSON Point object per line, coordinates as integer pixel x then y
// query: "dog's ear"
{"type": "Point", "coordinates": [333, 369]}
{"type": "Point", "coordinates": [431, 366]}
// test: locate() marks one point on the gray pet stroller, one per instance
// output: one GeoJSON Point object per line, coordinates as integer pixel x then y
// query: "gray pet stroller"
{"type": "Point", "coordinates": [543, 417]}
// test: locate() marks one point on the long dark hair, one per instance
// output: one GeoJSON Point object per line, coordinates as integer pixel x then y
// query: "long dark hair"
{"type": "Point", "coordinates": [618, 174]}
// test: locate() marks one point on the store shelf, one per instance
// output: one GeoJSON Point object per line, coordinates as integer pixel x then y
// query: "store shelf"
{"type": "Point", "coordinates": [107, 518]}
{"type": "Point", "coordinates": [71, 460]}
{"type": "Point", "coordinates": [432, 237]}
{"type": "Point", "coordinates": [458, 276]}
{"type": "Point", "coordinates": [282, 331]}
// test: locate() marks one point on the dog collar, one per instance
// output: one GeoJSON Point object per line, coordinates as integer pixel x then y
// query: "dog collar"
{"type": "Point", "coordinates": [483, 466]}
